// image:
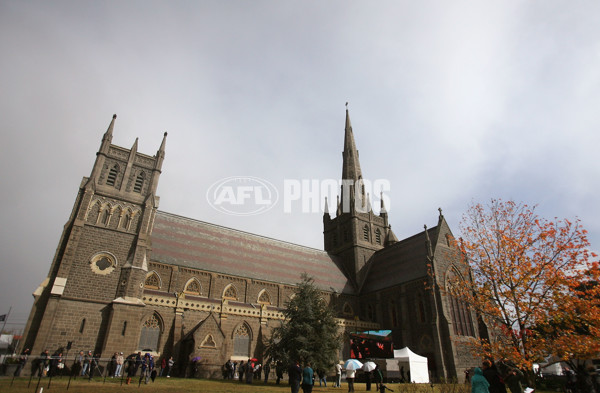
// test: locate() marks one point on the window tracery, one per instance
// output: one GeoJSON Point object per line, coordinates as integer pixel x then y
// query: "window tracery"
{"type": "Point", "coordinates": [152, 281]}
{"type": "Point", "coordinates": [230, 293]}
{"type": "Point", "coordinates": [241, 340]}
{"type": "Point", "coordinates": [193, 287]}
{"type": "Point", "coordinates": [150, 333]}
{"type": "Point", "coordinates": [264, 297]}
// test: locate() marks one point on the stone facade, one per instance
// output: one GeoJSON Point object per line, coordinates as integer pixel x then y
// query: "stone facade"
{"type": "Point", "coordinates": [127, 277]}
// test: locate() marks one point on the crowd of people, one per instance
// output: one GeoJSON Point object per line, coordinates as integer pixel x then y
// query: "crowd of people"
{"type": "Point", "coordinates": [496, 378]}
{"type": "Point", "coordinates": [506, 377]}
{"type": "Point", "coordinates": [251, 370]}
{"type": "Point", "coordinates": [305, 378]}
{"type": "Point", "coordinates": [501, 377]}
{"type": "Point", "coordinates": [87, 364]}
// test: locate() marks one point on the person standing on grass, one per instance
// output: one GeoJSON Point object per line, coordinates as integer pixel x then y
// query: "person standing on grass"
{"type": "Point", "coordinates": [138, 363]}
{"type": "Point", "coordinates": [130, 368]}
{"type": "Point", "coordinates": [163, 366]}
{"type": "Point", "coordinates": [94, 364]}
{"type": "Point", "coordinates": [511, 375]}
{"type": "Point", "coordinates": [350, 374]}
{"type": "Point", "coordinates": [249, 372]}
{"type": "Point", "coordinates": [308, 377]}
{"type": "Point", "coordinates": [147, 367]}
{"type": "Point", "coordinates": [338, 376]}
{"type": "Point", "coordinates": [22, 362]}
{"type": "Point", "coordinates": [295, 375]}
{"type": "Point", "coordinates": [86, 363]}
{"type": "Point", "coordinates": [267, 370]}
{"type": "Point", "coordinates": [278, 371]}
{"type": "Point", "coordinates": [120, 361]}
{"type": "Point", "coordinates": [378, 377]}
{"type": "Point", "coordinates": [170, 364]}
{"type": "Point", "coordinates": [242, 370]}
{"type": "Point", "coordinates": [322, 377]}
{"type": "Point", "coordinates": [42, 363]}
{"type": "Point", "coordinates": [493, 377]}
{"type": "Point", "coordinates": [478, 382]}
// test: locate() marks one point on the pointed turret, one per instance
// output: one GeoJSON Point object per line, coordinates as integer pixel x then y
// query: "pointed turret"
{"type": "Point", "coordinates": [390, 237]}
{"type": "Point", "coordinates": [428, 245]}
{"type": "Point", "coordinates": [134, 148]}
{"type": "Point", "coordinates": [160, 157]}
{"type": "Point", "coordinates": [382, 210]}
{"type": "Point", "coordinates": [107, 138]}
{"type": "Point", "coordinates": [101, 155]}
{"type": "Point", "coordinates": [326, 215]}
{"type": "Point", "coordinates": [160, 154]}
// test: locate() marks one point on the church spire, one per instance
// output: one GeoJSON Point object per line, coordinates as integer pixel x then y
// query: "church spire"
{"type": "Point", "coordinates": [351, 165]}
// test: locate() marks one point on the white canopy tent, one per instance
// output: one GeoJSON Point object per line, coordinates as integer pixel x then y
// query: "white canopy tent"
{"type": "Point", "coordinates": [410, 361]}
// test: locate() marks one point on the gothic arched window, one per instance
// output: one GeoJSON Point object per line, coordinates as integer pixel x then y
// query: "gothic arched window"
{"type": "Point", "coordinates": [459, 310]}
{"type": "Point", "coordinates": [230, 292]}
{"type": "Point", "coordinates": [193, 287]}
{"type": "Point", "coordinates": [106, 216]}
{"type": "Point", "coordinates": [150, 334]}
{"type": "Point", "coordinates": [152, 281]}
{"type": "Point", "coordinates": [366, 232]}
{"type": "Point", "coordinates": [264, 297]}
{"type": "Point", "coordinates": [126, 220]}
{"type": "Point", "coordinates": [241, 340]}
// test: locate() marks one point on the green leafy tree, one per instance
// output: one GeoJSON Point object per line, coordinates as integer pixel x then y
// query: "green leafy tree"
{"type": "Point", "coordinates": [309, 331]}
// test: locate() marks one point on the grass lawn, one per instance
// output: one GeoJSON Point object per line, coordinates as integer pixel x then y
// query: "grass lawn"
{"type": "Point", "coordinates": [179, 385]}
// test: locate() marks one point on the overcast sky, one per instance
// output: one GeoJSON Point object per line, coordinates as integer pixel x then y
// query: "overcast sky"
{"type": "Point", "coordinates": [453, 102]}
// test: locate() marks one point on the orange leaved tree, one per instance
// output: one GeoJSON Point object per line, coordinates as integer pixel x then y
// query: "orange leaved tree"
{"type": "Point", "coordinates": [532, 282]}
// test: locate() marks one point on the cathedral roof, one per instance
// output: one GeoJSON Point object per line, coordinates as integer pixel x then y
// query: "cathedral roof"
{"type": "Point", "coordinates": [400, 263]}
{"type": "Point", "coordinates": [199, 245]}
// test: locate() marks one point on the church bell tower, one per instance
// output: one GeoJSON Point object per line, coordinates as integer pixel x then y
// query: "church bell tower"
{"type": "Point", "coordinates": [96, 279]}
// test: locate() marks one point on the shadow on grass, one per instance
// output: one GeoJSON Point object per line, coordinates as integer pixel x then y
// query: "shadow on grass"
{"type": "Point", "coordinates": [180, 385]}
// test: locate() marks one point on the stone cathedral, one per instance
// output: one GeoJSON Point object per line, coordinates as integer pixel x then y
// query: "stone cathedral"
{"type": "Point", "coordinates": [129, 277]}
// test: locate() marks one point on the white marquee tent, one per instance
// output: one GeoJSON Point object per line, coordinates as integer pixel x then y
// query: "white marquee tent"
{"type": "Point", "coordinates": [410, 361]}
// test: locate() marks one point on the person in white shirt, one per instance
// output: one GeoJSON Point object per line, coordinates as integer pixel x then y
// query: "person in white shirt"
{"type": "Point", "coordinates": [338, 376]}
{"type": "Point", "coordinates": [350, 379]}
